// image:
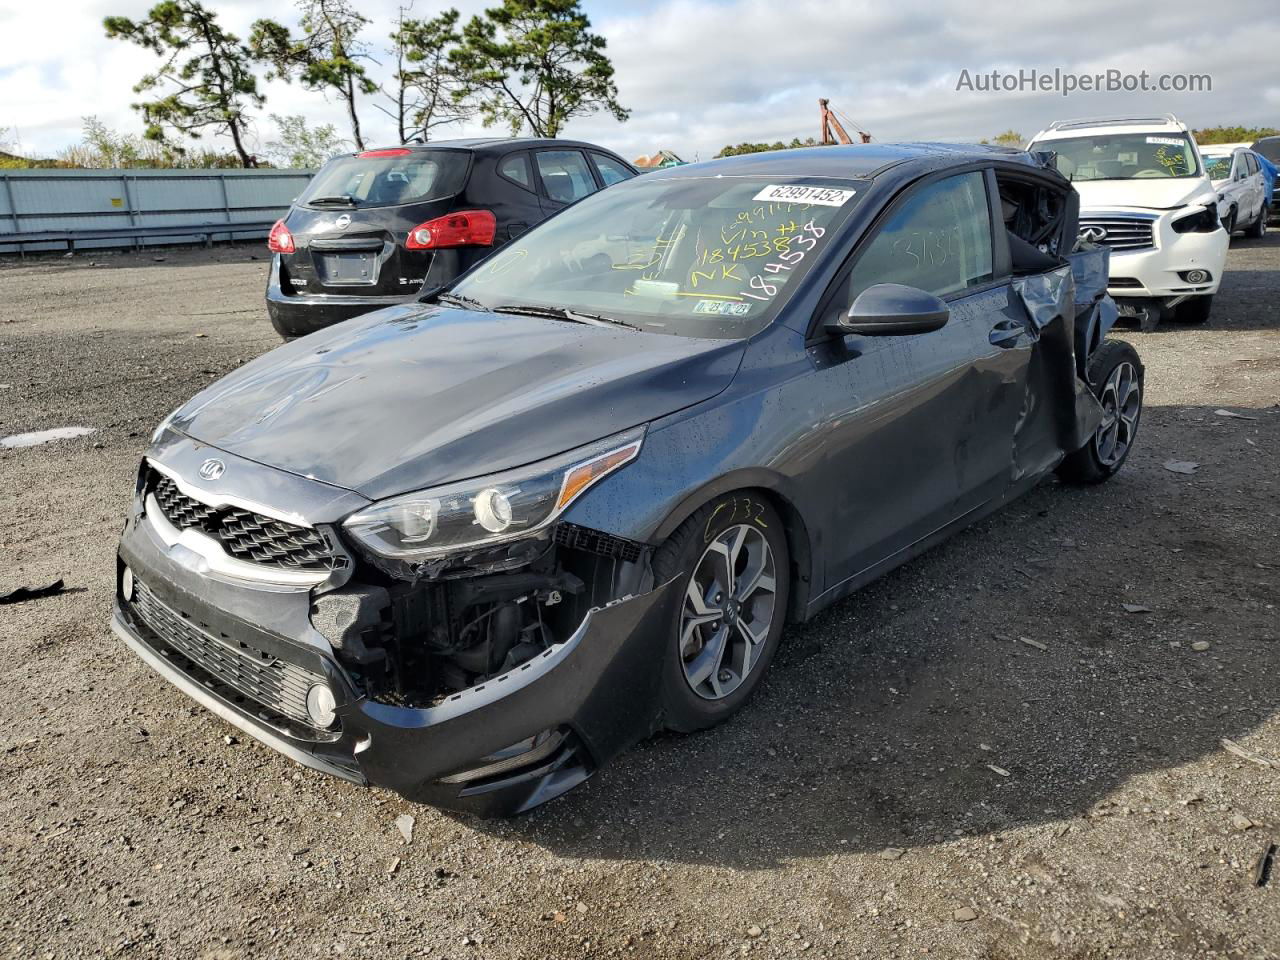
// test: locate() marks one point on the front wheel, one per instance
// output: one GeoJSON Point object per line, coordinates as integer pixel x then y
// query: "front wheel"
{"type": "Point", "coordinates": [731, 557]}
{"type": "Point", "coordinates": [1258, 229]}
{"type": "Point", "coordinates": [1116, 375]}
{"type": "Point", "coordinates": [1195, 310]}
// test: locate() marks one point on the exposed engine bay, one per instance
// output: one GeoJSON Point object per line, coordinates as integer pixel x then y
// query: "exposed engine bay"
{"type": "Point", "coordinates": [414, 636]}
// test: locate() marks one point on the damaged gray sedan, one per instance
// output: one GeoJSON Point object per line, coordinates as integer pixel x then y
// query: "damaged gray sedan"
{"type": "Point", "coordinates": [472, 548]}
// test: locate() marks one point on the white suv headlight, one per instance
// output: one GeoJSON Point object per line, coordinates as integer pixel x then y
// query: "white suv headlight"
{"type": "Point", "coordinates": [490, 510]}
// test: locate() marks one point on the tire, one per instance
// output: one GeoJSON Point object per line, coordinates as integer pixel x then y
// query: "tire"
{"type": "Point", "coordinates": [1195, 310]}
{"type": "Point", "coordinates": [1258, 229]}
{"type": "Point", "coordinates": [697, 553]}
{"type": "Point", "coordinates": [1098, 460]}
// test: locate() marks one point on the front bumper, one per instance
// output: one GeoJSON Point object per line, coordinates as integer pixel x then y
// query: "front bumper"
{"type": "Point", "coordinates": [590, 696]}
{"type": "Point", "coordinates": [1155, 272]}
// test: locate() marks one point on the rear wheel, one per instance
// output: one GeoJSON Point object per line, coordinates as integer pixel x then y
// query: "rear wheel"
{"type": "Point", "coordinates": [731, 557]}
{"type": "Point", "coordinates": [1195, 310]}
{"type": "Point", "coordinates": [1116, 374]}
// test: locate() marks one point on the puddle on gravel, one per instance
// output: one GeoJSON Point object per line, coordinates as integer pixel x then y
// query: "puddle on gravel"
{"type": "Point", "coordinates": [43, 436]}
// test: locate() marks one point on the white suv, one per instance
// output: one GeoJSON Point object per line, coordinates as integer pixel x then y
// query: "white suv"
{"type": "Point", "coordinates": [1144, 193]}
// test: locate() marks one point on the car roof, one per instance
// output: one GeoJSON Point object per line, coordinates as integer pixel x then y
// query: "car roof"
{"type": "Point", "coordinates": [847, 162]}
{"type": "Point", "coordinates": [494, 145]}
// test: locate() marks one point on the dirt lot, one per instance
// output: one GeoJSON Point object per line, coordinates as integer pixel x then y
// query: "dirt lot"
{"type": "Point", "coordinates": [912, 779]}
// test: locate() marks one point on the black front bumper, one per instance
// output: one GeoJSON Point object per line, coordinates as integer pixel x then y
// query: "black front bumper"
{"type": "Point", "coordinates": [591, 696]}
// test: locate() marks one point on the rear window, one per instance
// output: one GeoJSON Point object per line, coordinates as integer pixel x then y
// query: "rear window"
{"type": "Point", "coordinates": [389, 178]}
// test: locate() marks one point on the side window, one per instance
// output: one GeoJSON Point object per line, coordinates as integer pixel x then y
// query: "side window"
{"type": "Point", "coordinates": [1253, 162]}
{"type": "Point", "coordinates": [565, 174]}
{"type": "Point", "coordinates": [611, 171]}
{"type": "Point", "coordinates": [939, 240]}
{"type": "Point", "coordinates": [515, 167]}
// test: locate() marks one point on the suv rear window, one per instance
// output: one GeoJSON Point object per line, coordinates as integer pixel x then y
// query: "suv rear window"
{"type": "Point", "coordinates": [387, 178]}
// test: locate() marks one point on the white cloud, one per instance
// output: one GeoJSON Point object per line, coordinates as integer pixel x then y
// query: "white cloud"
{"type": "Point", "coordinates": [698, 74]}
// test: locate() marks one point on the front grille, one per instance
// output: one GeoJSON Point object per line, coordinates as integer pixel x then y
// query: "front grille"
{"type": "Point", "coordinates": [1121, 233]}
{"type": "Point", "coordinates": [597, 542]}
{"type": "Point", "coordinates": [1121, 283]}
{"type": "Point", "coordinates": [278, 688]}
{"type": "Point", "coordinates": [244, 535]}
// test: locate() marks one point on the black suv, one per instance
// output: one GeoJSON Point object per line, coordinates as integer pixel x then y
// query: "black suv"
{"type": "Point", "coordinates": [379, 227]}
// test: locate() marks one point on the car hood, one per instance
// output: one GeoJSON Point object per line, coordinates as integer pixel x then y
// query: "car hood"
{"type": "Point", "coordinates": [414, 396]}
{"type": "Point", "coordinates": [1167, 193]}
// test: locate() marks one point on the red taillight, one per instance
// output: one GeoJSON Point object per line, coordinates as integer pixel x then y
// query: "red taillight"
{"type": "Point", "coordinates": [470, 228]}
{"type": "Point", "coordinates": [280, 240]}
{"type": "Point", "coordinates": [392, 152]}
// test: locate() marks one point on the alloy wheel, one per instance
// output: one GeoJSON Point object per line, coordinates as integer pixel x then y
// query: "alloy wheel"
{"type": "Point", "coordinates": [728, 611]}
{"type": "Point", "coordinates": [1121, 400]}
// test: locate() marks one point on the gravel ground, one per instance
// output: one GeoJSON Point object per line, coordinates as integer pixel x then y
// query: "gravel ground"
{"type": "Point", "coordinates": [912, 778]}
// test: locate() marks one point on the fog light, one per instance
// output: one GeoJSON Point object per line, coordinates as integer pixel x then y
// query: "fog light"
{"type": "Point", "coordinates": [321, 707]}
{"type": "Point", "coordinates": [1196, 276]}
{"type": "Point", "coordinates": [126, 585]}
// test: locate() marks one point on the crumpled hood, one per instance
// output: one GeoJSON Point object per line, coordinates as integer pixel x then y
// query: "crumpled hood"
{"type": "Point", "coordinates": [1165, 193]}
{"type": "Point", "coordinates": [415, 396]}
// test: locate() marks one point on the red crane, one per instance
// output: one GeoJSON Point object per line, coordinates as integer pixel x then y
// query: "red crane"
{"type": "Point", "coordinates": [830, 121]}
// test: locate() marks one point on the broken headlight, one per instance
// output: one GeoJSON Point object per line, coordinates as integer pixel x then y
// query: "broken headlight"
{"type": "Point", "coordinates": [490, 510]}
{"type": "Point", "coordinates": [1202, 221]}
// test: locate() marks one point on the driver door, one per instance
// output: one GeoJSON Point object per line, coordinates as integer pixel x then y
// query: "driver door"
{"type": "Point", "coordinates": [921, 426]}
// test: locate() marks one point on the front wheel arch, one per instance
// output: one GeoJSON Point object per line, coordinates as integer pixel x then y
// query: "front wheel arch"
{"type": "Point", "coordinates": [763, 484]}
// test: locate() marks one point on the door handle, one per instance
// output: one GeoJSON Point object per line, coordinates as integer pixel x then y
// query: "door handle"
{"type": "Point", "coordinates": [1006, 333]}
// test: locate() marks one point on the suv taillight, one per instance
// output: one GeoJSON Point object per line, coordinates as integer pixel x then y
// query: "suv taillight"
{"type": "Point", "coordinates": [469, 228]}
{"type": "Point", "coordinates": [280, 240]}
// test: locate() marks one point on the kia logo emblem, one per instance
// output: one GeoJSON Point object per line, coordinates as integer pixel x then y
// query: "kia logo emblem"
{"type": "Point", "coordinates": [212, 469]}
{"type": "Point", "coordinates": [343, 221]}
{"type": "Point", "coordinates": [1093, 234]}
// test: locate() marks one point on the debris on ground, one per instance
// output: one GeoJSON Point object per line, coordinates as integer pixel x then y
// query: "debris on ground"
{"type": "Point", "coordinates": [1262, 866]}
{"type": "Point", "coordinates": [38, 437]}
{"type": "Point", "coordinates": [394, 865]}
{"type": "Point", "coordinates": [32, 593]}
{"type": "Point", "coordinates": [892, 853]}
{"type": "Point", "coordinates": [1000, 770]}
{"type": "Point", "coordinates": [1181, 466]}
{"type": "Point", "coordinates": [1241, 822]}
{"type": "Point", "coordinates": [404, 823]}
{"type": "Point", "coordinates": [1200, 646]}
{"type": "Point", "coordinates": [1032, 643]}
{"type": "Point", "coordinates": [1232, 747]}
{"type": "Point", "coordinates": [1135, 608]}
{"type": "Point", "coordinates": [1233, 415]}
{"type": "Point", "coordinates": [965, 915]}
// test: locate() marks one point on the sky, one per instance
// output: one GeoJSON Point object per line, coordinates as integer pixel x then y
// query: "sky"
{"type": "Point", "coordinates": [699, 74]}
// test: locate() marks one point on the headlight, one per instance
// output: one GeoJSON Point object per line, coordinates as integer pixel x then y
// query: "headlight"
{"type": "Point", "coordinates": [490, 510]}
{"type": "Point", "coordinates": [164, 424]}
{"type": "Point", "coordinates": [1204, 220]}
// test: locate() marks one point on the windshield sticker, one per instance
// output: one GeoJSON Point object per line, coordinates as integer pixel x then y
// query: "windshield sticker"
{"type": "Point", "coordinates": [1167, 141]}
{"type": "Point", "coordinates": [722, 308]}
{"type": "Point", "coordinates": [799, 193]}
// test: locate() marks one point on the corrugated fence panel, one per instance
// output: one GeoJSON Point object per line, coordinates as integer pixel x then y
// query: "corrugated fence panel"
{"type": "Point", "coordinates": [35, 200]}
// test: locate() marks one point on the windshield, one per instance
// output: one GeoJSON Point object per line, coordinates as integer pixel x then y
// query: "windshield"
{"type": "Point", "coordinates": [706, 257]}
{"type": "Point", "coordinates": [385, 178]}
{"type": "Point", "coordinates": [1218, 168]}
{"type": "Point", "coordinates": [1123, 156]}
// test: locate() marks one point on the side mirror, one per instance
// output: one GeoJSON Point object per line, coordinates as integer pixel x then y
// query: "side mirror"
{"type": "Point", "coordinates": [891, 310]}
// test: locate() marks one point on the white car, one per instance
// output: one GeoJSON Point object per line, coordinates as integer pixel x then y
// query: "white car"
{"type": "Point", "coordinates": [1242, 192]}
{"type": "Point", "coordinates": [1145, 194]}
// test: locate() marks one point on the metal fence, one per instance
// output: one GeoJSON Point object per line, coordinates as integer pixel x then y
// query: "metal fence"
{"type": "Point", "coordinates": [51, 209]}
